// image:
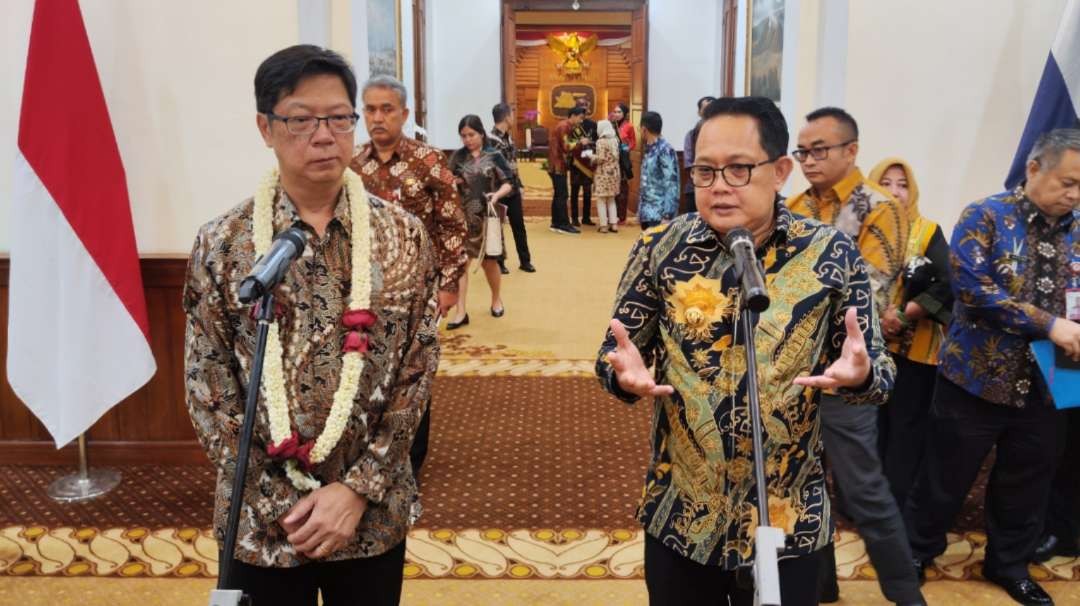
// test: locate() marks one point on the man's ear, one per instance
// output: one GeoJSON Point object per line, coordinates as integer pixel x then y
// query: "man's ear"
{"type": "Point", "coordinates": [263, 123]}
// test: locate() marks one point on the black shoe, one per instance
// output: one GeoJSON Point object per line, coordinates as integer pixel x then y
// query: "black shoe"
{"type": "Point", "coordinates": [457, 325]}
{"type": "Point", "coordinates": [498, 313]}
{"type": "Point", "coordinates": [575, 223]}
{"type": "Point", "coordinates": [829, 595]}
{"type": "Point", "coordinates": [587, 222]}
{"type": "Point", "coordinates": [502, 269]}
{"type": "Point", "coordinates": [570, 229]}
{"type": "Point", "coordinates": [564, 229]}
{"type": "Point", "coordinates": [1025, 590]}
{"type": "Point", "coordinates": [527, 268]}
{"type": "Point", "coordinates": [1051, 546]}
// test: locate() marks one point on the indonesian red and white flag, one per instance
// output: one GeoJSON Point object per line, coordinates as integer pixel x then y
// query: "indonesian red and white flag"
{"type": "Point", "coordinates": [78, 335]}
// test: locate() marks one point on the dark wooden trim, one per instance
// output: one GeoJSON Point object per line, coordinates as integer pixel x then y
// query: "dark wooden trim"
{"type": "Point", "coordinates": [39, 452]}
{"type": "Point", "coordinates": [731, 12]}
{"type": "Point", "coordinates": [586, 5]}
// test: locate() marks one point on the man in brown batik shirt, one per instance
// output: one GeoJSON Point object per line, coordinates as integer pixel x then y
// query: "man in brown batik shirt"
{"type": "Point", "coordinates": [345, 539]}
{"type": "Point", "coordinates": [416, 177]}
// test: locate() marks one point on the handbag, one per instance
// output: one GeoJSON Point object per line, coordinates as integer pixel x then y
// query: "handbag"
{"type": "Point", "coordinates": [625, 167]}
{"type": "Point", "coordinates": [493, 242]}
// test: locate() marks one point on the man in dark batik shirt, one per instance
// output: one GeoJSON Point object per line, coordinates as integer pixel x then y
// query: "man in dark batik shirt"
{"type": "Point", "coordinates": [1015, 258]}
{"type": "Point", "coordinates": [676, 306]}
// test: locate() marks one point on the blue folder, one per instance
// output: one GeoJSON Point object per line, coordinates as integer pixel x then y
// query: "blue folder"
{"type": "Point", "coordinates": [1064, 383]}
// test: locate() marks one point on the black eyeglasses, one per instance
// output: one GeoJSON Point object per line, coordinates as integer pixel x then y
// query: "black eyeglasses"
{"type": "Point", "coordinates": [735, 175]}
{"type": "Point", "coordinates": [819, 152]}
{"type": "Point", "coordinates": [306, 125]}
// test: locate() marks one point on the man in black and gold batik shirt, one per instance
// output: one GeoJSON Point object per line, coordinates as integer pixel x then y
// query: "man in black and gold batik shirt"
{"type": "Point", "coordinates": [676, 307]}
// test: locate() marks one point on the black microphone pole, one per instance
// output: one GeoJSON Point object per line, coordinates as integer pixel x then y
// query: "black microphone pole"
{"type": "Point", "coordinates": [768, 541]}
{"type": "Point", "coordinates": [225, 595]}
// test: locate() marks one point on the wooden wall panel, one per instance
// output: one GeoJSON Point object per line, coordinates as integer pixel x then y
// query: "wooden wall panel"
{"type": "Point", "coordinates": [150, 425]}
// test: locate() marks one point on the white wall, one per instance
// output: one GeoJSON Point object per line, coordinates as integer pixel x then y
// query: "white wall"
{"type": "Point", "coordinates": [178, 81]}
{"type": "Point", "coordinates": [463, 65]}
{"type": "Point", "coordinates": [684, 63]}
{"type": "Point", "coordinates": [945, 85]}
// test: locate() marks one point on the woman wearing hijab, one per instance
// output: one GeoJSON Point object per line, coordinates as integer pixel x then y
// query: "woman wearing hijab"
{"type": "Point", "coordinates": [606, 176]}
{"type": "Point", "coordinates": [914, 327]}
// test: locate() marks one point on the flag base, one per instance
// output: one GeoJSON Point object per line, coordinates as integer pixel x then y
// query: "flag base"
{"type": "Point", "coordinates": [82, 487]}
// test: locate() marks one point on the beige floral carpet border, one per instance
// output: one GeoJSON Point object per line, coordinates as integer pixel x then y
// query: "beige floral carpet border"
{"type": "Point", "coordinates": [430, 554]}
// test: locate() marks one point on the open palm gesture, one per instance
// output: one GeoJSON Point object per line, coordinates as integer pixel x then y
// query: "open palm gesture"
{"type": "Point", "coordinates": [630, 370]}
{"type": "Point", "coordinates": [853, 366]}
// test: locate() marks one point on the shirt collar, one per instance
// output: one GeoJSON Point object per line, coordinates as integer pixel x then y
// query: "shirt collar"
{"type": "Point", "coordinates": [844, 188]}
{"type": "Point", "coordinates": [1029, 212]}
{"type": "Point", "coordinates": [286, 215]}
{"type": "Point", "coordinates": [401, 150]}
{"type": "Point", "coordinates": [700, 232]}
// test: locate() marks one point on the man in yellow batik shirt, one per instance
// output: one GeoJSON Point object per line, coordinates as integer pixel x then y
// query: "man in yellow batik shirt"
{"type": "Point", "coordinates": [839, 195]}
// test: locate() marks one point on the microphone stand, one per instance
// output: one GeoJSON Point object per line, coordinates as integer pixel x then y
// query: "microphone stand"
{"type": "Point", "coordinates": [768, 541]}
{"type": "Point", "coordinates": [223, 595]}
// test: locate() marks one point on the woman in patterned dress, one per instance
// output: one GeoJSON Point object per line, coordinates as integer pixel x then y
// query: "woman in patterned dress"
{"type": "Point", "coordinates": [606, 176]}
{"type": "Point", "coordinates": [483, 178]}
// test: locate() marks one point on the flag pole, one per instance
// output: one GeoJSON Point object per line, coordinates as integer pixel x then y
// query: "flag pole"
{"type": "Point", "coordinates": [85, 484]}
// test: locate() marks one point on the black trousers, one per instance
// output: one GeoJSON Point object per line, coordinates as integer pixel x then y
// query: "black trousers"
{"type": "Point", "coordinates": [1063, 512]}
{"type": "Point", "coordinates": [902, 425]}
{"type": "Point", "coordinates": [374, 581]}
{"type": "Point", "coordinates": [679, 581]}
{"type": "Point", "coordinates": [578, 182]}
{"type": "Point", "coordinates": [963, 429]}
{"type": "Point", "coordinates": [517, 225]}
{"type": "Point", "coordinates": [419, 447]}
{"type": "Point", "coordinates": [558, 200]}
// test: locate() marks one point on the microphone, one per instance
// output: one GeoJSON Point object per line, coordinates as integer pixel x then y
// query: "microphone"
{"type": "Point", "coordinates": [741, 244]}
{"type": "Point", "coordinates": [270, 268]}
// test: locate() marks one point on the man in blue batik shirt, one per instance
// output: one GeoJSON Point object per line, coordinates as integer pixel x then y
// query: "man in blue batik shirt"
{"type": "Point", "coordinates": [659, 188]}
{"type": "Point", "coordinates": [1015, 261]}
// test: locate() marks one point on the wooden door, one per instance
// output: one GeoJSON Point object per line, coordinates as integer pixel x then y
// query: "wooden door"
{"type": "Point", "coordinates": [419, 62]}
{"type": "Point", "coordinates": [639, 54]}
{"type": "Point", "coordinates": [509, 57]}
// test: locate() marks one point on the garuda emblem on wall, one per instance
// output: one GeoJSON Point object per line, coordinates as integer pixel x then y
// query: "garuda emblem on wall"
{"type": "Point", "coordinates": [571, 49]}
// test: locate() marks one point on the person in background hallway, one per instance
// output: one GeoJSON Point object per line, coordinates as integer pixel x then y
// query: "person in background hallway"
{"type": "Point", "coordinates": [484, 178]}
{"type": "Point", "coordinates": [558, 165]}
{"type": "Point", "coordinates": [581, 171]}
{"type": "Point", "coordinates": [341, 530]}
{"type": "Point", "coordinates": [624, 128]}
{"type": "Point", "coordinates": [503, 143]}
{"type": "Point", "coordinates": [658, 191]}
{"type": "Point", "coordinates": [1015, 258]}
{"type": "Point", "coordinates": [839, 195]}
{"type": "Point", "coordinates": [606, 176]}
{"type": "Point", "coordinates": [413, 175]}
{"type": "Point", "coordinates": [687, 203]}
{"type": "Point", "coordinates": [914, 328]}
{"type": "Point", "coordinates": [676, 306]}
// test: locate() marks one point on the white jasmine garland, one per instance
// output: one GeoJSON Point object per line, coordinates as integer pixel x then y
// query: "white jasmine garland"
{"type": "Point", "coordinates": [352, 364]}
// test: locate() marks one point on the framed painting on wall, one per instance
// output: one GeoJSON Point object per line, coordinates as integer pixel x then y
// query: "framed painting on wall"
{"type": "Point", "coordinates": [384, 37]}
{"type": "Point", "coordinates": [764, 48]}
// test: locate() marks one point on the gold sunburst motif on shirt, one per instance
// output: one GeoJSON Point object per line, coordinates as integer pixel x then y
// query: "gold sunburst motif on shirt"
{"type": "Point", "coordinates": [700, 302]}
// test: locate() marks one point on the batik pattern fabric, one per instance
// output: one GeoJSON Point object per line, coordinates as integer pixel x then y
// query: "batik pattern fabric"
{"type": "Point", "coordinates": [659, 186]}
{"type": "Point", "coordinates": [372, 456]}
{"type": "Point", "coordinates": [1010, 268]}
{"type": "Point", "coordinates": [678, 298]}
{"type": "Point", "coordinates": [480, 175]}
{"type": "Point", "coordinates": [417, 178]}
{"type": "Point", "coordinates": [870, 216]}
